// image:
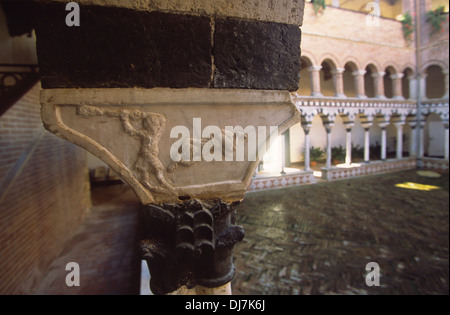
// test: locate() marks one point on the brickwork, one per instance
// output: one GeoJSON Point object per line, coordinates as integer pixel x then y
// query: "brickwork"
{"type": "Point", "coordinates": [43, 197]}
{"type": "Point", "coordinates": [342, 36]}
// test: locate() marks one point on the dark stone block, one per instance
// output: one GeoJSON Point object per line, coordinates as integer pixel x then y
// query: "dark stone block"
{"type": "Point", "coordinates": [117, 47]}
{"type": "Point", "coordinates": [256, 55]}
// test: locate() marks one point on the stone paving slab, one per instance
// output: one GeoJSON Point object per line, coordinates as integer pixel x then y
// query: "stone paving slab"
{"type": "Point", "coordinates": [318, 239]}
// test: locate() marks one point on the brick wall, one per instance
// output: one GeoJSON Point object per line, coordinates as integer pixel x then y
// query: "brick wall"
{"type": "Point", "coordinates": [44, 195]}
{"type": "Point", "coordinates": [341, 36]}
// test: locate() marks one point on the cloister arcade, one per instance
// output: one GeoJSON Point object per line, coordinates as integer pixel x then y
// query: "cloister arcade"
{"type": "Point", "coordinates": [366, 108]}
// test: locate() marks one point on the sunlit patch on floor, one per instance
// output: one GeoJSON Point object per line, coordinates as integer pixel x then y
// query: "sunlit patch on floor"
{"type": "Point", "coordinates": [416, 186]}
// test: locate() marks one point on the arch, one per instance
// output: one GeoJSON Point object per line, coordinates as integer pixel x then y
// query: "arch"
{"type": "Point", "coordinates": [436, 62]}
{"type": "Point", "coordinates": [388, 82]}
{"type": "Point", "coordinates": [369, 82]}
{"type": "Point", "coordinates": [310, 56]}
{"type": "Point", "coordinates": [407, 80]}
{"type": "Point", "coordinates": [349, 79]}
{"type": "Point", "coordinates": [353, 60]}
{"type": "Point", "coordinates": [373, 64]}
{"type": "Point", "coordinates": [331, 58]}
{"type": "Point", "coordinates": [393, 69]}
{"type": "Point", "coordinates": [435, 82]}
{"type": "Point", "coordinates": [305, 83]}
{"type": "Point", "coordinates": [326, 77]}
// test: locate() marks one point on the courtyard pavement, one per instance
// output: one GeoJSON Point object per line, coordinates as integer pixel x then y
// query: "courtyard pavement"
{"type": "Point", "coordinates": [318, 239]}
{"type": "Point", "coordinates": [314, 239]}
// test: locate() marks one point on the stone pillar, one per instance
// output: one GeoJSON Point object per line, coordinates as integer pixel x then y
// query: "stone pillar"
{"type": "Point", "coordinates": [412, 79]}
{"type": "Point", "coordinates": [421, 131]}
{"type": "Point", "coordinates": [378, 79]}
{"type": "Point", "coordinates": [306, 129]}
{"type": "Point", "coordinates": [446, 140]}
{"type": "Point", "coordinates": [366, 125]}
{"type": "Point", "coordinates": [397, 86]}
{"type": "Point", "coordinates": [413, 139]}
{"type": "Point", "coordinates": [383, 126]}
{"type": "Point", "coordinates": [328, 127]}
{"type": "Point", "coordinates": [359, 83]}
{"type": "Point", "coordinates": [446, 94]}
{"type": "Point", "coordinates": [315, 80]}
{"type": "Point", "coordinates": [338, 80]}
{"type": "Point", "coordinates": [160, 129]}
{"type": "Point", "coordinates": [348, 143]}
{"type": "Point", "coordinates": [283, 154]}
{"type": "Point", "coordinates": [423, 86]}
{"type": "Point", "coordinates": [399, 149]}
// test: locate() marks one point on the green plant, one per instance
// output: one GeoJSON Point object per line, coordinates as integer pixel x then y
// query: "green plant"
{"type": "Point", "coordinates": [319, 6]}
{"type": "Point", "coordinates": [436, 18]}
{"type": "Point", "coordinates": [316, 154]}
{"type": "Point", "coordinates": [357, 152]}
{"type": "Point", "coordinates": [338, 153]}
{"type": "Point", "coordinates": [375, 151]}
{"type": "Point", "coordinates": [407, 26]}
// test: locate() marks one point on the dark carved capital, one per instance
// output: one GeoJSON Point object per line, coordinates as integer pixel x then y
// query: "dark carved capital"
{"type": "Point", "coordinates": [190, 243]}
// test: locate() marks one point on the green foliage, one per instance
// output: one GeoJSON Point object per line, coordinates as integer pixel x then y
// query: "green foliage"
{"type": "Point", "coordinates": [436, 18]}
{"type": "Point", "coordinates": [338, 153]}
{"type": "Point", "coordinates": [319, 6]}
{"type": "Point", "coordinates": [316, 154]}
{"type": "Point", "coordinates": [357, 152]}
{"type": "Point", "coordinates": [407, 26]}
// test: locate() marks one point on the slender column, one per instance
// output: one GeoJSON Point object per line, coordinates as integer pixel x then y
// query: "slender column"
{"type": "Point", "coordinates": [412, 87]}
{"type": "Point", "coordinates": [366, 126]}
{"type": "Point", "coordinates": [421, 150]}
{"type": "Point", "coordinates": [359, 83]}
{"type": "Point", "coordinates": [446, 96]}
{"type": "Point", "coordinates": [307, 147]}
{"type": "Point", "coordinates": [399, 148]}
{"type": "Point", "coordinates": [412, 139]}
{"type": "Point", "coordinates": [348, 144]}
{"type": "Point", "coordinates": [446, 153]}
{"type": "Point", "coordinates": [383, 126]}
{"type": "Point", "coordinates": [423, 86]}
{"type": "Point", "coordinates": [338, 79]}
{"type": "Point", "coordinates": [379, 84]}
{"type": "Point", "coordinates": [315, 80]}
{"type": "Point", "coordinates": [397, 86]}
{"type": "Point", "coordinates": [283, 155]}
{"type": "Point", "coordinates": [328, 128]}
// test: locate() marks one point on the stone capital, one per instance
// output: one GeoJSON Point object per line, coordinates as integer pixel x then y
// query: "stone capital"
{"type": "Point", "coordinates": [378, 74]}
{"type": "Point", "coordinates": [338, 71]}
{"type": "Point", "coordinates": [134, 131]}
{"type": "Point", "coordinates": [359, 73]}
{"type": "Point", "coordinates": [189, 244]}
{"type": "Point", "coordinates": [397, 76]}
{"type": "Point", "coordinates": [314, 68]}
{"type": "Point", "coordinates": [383, 124]}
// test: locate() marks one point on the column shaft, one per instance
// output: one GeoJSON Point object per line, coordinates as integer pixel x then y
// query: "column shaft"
{"type": "Point", "coordinates": [359, 83]}
{"type": "Point", "coordinates": [348, 147]}
{"type": "Point", "coordinates": [328, 161]}
{"type": "Point", "coordinates": [399, 148]}
{"type": "Point", "coordinates": [315, 80]}
{"type": "Point", "coordinates": [367, 145]}
{"type": "Point", "coordinates": [383, 143]}
{"type": "Point", "coordinates": [307, 147]}
{"type": "Point", "coordinates": [446, 149]}
{"type": "Point", "coordinates": [338, 79]}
